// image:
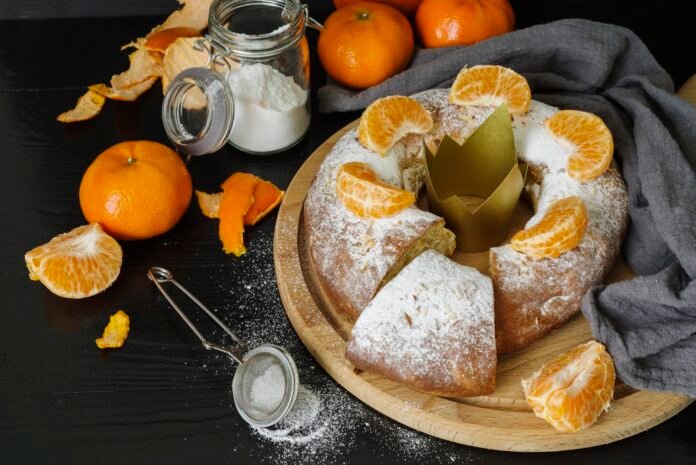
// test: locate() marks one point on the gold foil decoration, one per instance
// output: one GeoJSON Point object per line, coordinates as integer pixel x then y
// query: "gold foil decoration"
{"type": "Point", "coordinates": [476, 186]}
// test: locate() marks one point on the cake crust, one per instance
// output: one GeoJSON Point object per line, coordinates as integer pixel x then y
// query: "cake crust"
{"type": "Point", "coordinates": [430, 328]}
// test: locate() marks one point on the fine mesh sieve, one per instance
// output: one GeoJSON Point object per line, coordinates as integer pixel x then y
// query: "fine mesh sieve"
{"type": "Point", "coordinates": [252, 365]}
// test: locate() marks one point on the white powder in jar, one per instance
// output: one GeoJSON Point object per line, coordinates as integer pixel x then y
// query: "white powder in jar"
{"type": "Point", "coordinates": [267, 390]}
{"type": "Point", "coordinates": [270, 109]}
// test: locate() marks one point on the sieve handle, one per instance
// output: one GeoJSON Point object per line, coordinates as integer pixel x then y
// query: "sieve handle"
{"type": "Point", "coordinates": [159, 276]}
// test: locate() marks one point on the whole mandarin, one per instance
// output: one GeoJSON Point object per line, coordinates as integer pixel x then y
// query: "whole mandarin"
{"type": "Point", "coordinates": [364, 43]}
{"type": "Point", "coordinates": [407, 7]}
{"type": "Point", "coordinates": [136, 190]}
{"type": "Point", "coordinates": [442, 23]}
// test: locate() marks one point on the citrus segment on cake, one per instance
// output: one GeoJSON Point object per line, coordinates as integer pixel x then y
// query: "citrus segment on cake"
{"type": "Point", "coordinates": [571, 391]}
{"type": "Point", "coordinates": [491, 85]}
{"type": "Point", "coordinates": [590, 139]}
{"type": "Point", "coordinates": [77, 264]}
{"type": "Point", "coordinates": [560, 229]}
{"type": "Point", "coordinates": [387, 120]}
{"type": "Point", "coordinates": [363, 193]}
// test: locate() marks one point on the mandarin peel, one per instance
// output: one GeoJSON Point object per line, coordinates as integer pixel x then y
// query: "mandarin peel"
{"type": "Point", "coordinates": [590, 139]}
{"type": "Point", "coordinates": [115, 332]}
{"type": "Point", "coordinates": [389, 119]}
{"type": "Point", "coordinates": [560, 230]}
{"type": "Point", "coordinates": [266, 197]}
{"type": "Point", "coordinates": [364, 194]}
{"type": "Point", "coordinates": [237, 198]}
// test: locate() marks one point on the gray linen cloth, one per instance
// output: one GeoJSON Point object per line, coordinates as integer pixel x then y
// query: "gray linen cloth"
{"type": "Point", "coordinates": [648, 323]}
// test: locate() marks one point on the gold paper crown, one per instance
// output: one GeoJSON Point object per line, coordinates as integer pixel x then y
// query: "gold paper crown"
{"type": "Point", "coordinates": [483, 168]}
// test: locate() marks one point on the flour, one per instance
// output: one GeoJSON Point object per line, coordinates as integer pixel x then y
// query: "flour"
{"type": "Point", "coordinates": [270, 109]}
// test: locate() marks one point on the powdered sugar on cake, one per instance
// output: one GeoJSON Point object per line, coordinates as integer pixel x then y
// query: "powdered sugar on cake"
{"type": "Point", "coordinates": [531, 296]}
{"type": "Point", "coordinates": [432, 327]}
{"type": "Point", "coordinates": [368, 248]}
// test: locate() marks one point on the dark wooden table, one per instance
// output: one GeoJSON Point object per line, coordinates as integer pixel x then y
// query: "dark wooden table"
{"type": "Point", "coordinates": [163, 398]}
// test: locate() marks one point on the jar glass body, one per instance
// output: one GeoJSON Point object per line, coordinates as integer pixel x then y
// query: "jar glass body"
{"type": "Point", "coordinates": [255, 90]}
{"type": "Point", "coordinates": [270, 88]}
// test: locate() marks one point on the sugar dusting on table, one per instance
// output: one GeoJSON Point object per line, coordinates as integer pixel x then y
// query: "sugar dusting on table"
{"type": "Point", "coordinates": [327, 425]}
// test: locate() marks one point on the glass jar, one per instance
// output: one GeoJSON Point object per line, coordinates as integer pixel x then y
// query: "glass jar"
{"type": "Point", "coordinates": [254, 92]}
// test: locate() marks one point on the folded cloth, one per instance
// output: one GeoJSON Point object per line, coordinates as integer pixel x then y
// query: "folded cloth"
{"type": "Point", "coordinates": [648, 323]}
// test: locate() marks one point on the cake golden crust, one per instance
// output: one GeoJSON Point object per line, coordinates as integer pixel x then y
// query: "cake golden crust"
{"type": "Point", "coordinates": [355, 257]}
{"type": "Point", "coordinates": [430, 328]}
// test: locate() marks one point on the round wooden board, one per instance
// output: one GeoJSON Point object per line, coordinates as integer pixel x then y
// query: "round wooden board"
{"type": "Point", "coordinates": [502, 420]}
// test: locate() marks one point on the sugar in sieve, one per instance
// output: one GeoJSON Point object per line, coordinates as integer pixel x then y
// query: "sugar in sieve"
{"type": "Point", "coordinates": [252, 364]}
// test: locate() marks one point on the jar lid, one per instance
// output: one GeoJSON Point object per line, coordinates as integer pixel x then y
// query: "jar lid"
{"type": "Point", "coordinates": [198, 111]}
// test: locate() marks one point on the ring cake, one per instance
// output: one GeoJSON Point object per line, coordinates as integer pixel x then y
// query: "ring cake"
{"type": "Point", "coordinates": [355, 256]}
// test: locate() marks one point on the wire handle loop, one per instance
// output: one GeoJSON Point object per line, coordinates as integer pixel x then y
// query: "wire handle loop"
{"type": "Point", "coordinates": [160, 276]}
{"type": "Point", "coordinates": [217, 52]}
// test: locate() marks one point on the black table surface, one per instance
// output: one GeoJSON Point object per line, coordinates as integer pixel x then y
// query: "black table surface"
{"type": "Point", "coordinates": [162, 398]}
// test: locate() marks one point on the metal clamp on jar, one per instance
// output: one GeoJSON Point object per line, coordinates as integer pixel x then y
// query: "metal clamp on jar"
{"type": "Point", "coordinates": [254, 91]}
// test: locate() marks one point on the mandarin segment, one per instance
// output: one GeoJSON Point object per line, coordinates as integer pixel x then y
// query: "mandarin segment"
{"type": "Point", "coordinates": [77, 264]}
{"type": "Point", "coordinates": [572, 391]}
{"type": "Point", "coordinates": [362, 192]}
{"type": "Point", "coordinates": [491, 85]}
{"type": "Point", "coordinates": [591, 141]}
{"type": "Point", "coordinates": [237, 198]}
{"type": "Point", "coordinates": [389, 119]}
{"type": "Point", "coordinates": [560, 229]}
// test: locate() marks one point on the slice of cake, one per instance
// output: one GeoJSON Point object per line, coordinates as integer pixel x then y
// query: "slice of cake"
{"type": "Point", "coordinates": [430, 328]}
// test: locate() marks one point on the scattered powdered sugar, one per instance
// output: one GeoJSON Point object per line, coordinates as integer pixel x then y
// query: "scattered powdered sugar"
{"type": "Point", "coordinates": [267, 390]}
{"type": "Point", "coordinates": [328, 425]}
{"type": "Point", "coordinates": [431, 327]}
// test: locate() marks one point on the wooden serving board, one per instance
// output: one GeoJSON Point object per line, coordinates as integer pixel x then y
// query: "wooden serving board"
{"type": "Point", "coordinates": [502, 420]}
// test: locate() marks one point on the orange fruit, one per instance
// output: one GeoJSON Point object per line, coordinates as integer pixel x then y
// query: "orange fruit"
{"type": "Point", "coordinates": [441, 23]}
{"type": "Point", "coordinates": [159, 41]}
{"type": "Point", "coordinates": [136, 190]}
{"type": "Point", "coordinates": [591, 141]}
{"type": "Point", "coordinates": [363, 193]}
{"type": "Point", "coordinates": [571, 391]}
{"type": "Point", "coordinates": [491, 85]}
{"type": "Point", "coordinates": [407, 7]}
{"type": "Point", "coordinates": [364, 43]}
{"type": "Point", "coordinates": [561, 229]}
{"type": "Point", "coordinates": [389, 119]}
{"type": "Point", "coordinates": [77, 264]}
